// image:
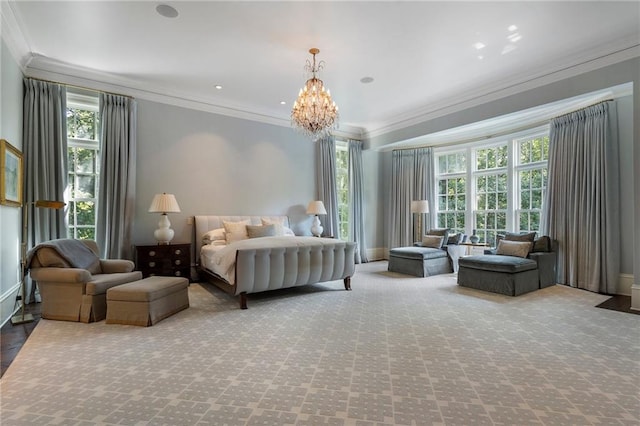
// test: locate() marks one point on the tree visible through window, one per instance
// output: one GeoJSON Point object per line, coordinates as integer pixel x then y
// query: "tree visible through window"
{"type": "Point", "coordinates": [494, 186]}
{"type": "Point", "coordinates": [82, 161]}
{"type": "Point", "coordinates": [342, 188]}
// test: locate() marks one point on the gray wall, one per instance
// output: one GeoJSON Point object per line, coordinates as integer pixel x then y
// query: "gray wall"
{"type": "Point", "coordinates": [10, 217]}
{"type": "Point", "coordinates": [623, 72]}
{"type": "Point", "coordinates": [219, 165]}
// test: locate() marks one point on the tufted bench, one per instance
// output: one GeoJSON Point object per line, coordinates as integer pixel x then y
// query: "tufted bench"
{"type": "Point", "coordinates": [147, 301]}
{"type": "Point", "coordinates": [508, 275]}
{"type": "Point", "coordinates": [419, 261]}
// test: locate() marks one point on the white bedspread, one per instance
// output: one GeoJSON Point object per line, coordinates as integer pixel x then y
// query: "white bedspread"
{"type": "Point", "coordinates": [222, 259]}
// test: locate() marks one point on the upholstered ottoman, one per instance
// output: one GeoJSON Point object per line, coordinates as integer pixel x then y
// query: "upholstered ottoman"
{"type": "Point", "coordinates": [147, 301]}
{"type": "Point", "coordinates": [508, 275]}
{"type": "Point", "coordinates": [419, 261]}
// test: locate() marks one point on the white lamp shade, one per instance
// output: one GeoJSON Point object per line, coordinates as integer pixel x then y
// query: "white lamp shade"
{"type": "Point", "coordinates": [420, 206]}
{"type": "Point", "coordinates": [164, 203]}
{"type": "Point", "coordinates": [316, 207]}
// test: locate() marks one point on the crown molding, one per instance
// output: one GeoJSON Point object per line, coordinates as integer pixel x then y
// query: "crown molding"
{"type": "Point", "coordinates": [13, 36]}
{"type": "Point", "coordinates": [614, 53]}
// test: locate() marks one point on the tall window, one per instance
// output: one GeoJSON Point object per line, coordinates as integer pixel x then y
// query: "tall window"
{"type": "Point", "coordinates": [533, 155]}
{"type": "Point", "coordinates": [452, 191]}
{"type": "Point", "coordinates": [494, 186]}
{"type": "Point", "coordinates": [342, 187]}
{"type": "Point", "coordinates": [83, 165]}
{"type": "Point", "coordinates": [490, 177]}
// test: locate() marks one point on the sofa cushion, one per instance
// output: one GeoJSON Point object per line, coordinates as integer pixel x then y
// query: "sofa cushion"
{"type": "Point", "coordinates": [444, 232]}
{"type": "Point", "coordinates": [498, 263]}
{"type": "Point", "coordinates": [514, 248]}
{"type": "Point", "coordinates": [417, 253]}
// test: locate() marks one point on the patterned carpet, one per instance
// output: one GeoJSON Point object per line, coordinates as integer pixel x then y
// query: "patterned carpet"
{"type": "Point", "coordinates": [395, 350]}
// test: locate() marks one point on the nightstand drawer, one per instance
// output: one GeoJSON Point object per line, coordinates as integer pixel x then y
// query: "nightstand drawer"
{"type": "Point", "coordinates": [165, 260]}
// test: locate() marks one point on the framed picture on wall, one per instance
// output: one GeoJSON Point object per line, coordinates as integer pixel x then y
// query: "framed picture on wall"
{"type": "Point", "coordinates": [10, 174]}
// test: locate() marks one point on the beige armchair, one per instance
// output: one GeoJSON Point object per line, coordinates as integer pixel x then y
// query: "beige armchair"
{"type": "Point", "coordinates": [75, 294]}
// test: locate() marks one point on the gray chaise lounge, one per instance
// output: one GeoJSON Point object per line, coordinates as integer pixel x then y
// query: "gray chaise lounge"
{"type": "Point", "coordinates": [510, 275]}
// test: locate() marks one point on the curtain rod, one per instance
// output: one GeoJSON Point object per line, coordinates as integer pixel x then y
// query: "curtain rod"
{"type": "Point", "coordinates": [581, 109]}
{"type": "Point", "coordinates": [75, 86]}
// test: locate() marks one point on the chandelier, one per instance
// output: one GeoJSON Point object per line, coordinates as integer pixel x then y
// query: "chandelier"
{"type": "Point", "coordinates": [314, 113]}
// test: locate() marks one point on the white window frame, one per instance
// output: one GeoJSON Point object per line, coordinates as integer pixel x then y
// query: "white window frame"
{"type": "Point", "coordinates": [512, 169]}
{"type": "Point", "coordinates": [90, 103]}
{"type": "Point", "coordinates": [341, 147]}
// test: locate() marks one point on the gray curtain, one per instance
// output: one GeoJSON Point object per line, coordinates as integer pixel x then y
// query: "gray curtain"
{"type": "Point", "coordinates": [411, 179]}
{"type": "Point", "coordinates": [326, 184]}
{"type": "Point", "coordinates": [44, 140]}
{"type": "Point", "coordinates": [117, 175]}
{"type": "Point", "coordinates": [356, 206]}
{"type": "Point", "coordinates": [582, 202]}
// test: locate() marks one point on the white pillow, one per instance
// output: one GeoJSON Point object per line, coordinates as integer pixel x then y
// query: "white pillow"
{"type": "Point", "coordinates": [278, 223]}
{"type": "Point", "coordinates": [236, 231]}
{"type": "Point", "coordinates": [214, 235]}
{"type": "Point", "coordinates": [288, 232]}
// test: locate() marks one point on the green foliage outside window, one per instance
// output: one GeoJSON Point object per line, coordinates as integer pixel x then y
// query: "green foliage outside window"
{"type": "Point", "coordinates": [342, 187]}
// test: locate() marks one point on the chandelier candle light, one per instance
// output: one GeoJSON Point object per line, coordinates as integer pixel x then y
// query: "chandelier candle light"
{"type": "Point", "coordinates": [314, 113]}
{"type": "Point", "coordinates": [164, 203]}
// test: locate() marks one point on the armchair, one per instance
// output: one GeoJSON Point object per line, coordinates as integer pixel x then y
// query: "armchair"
{"type": "Point", "coordinates": [72, 289]}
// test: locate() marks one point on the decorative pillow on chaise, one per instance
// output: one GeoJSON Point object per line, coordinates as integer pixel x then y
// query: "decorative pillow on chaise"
{"type": "Point", "coordinates": [443, 232]}
{"type": "Point", "coordinates": [514, 248]}
{"type": "Point", "coordinates": [432, 241]}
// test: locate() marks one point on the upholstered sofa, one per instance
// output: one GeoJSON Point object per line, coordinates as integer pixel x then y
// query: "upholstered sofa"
{"type": "Point", "coordinates": [509, 274]}
{"type": "Point", "coordinates": [76, 294]}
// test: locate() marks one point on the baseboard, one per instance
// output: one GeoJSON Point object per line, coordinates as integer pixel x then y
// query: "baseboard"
{"type": "Point", "coordinates": [377, 253]}
{"type": "Point", "coordinates": [625, 283]}
{"type": "Point", "coordinates": [635, 297]}
{"type": "Point", "coordinates": [8, 303]}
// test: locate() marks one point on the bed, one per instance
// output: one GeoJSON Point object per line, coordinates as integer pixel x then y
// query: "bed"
{"type": "Point", "coordinates": [241, 266]}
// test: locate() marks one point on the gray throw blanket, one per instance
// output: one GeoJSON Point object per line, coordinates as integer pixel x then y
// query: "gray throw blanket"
{"type": "Point", "coordinates": [75, 252]}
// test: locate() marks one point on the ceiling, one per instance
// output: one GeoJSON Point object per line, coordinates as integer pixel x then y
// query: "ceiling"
{"type": "Point", "coordinates": [422, 56]}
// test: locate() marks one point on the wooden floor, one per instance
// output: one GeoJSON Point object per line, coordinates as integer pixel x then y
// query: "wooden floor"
{"type": "Point", "coordinates": [12, 337]}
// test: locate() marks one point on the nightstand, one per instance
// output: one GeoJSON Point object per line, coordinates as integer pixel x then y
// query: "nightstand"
{"type": "Point", "coordinates": [172, 260]}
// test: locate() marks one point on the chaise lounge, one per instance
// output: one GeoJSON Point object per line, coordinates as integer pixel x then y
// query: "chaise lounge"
{"type": "Point", "coordinates": [520, 264]}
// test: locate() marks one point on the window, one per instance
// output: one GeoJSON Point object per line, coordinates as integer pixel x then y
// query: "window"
{"type": "Point", "coordinates": [342, 188]}
{"type": "Point", "coordinates": [533, 155]}
{"type": "Point", "coordinates": [494, 186]}
{"type": "Point", "coordinates": [83, 165]}
{"type": "Point", "coordinates": [452, 191]}
{"type": "Point", "coordinates": [490, 177]}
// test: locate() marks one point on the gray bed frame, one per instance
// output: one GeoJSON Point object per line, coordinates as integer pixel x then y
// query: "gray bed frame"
{"type": "Point", "coordinates": [265, 269]}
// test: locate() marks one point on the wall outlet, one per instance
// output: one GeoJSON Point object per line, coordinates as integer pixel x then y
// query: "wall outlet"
{"type": "Point", "coordinates": [190, 220]}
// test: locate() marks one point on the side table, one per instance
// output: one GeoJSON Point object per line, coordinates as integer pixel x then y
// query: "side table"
{"type": "Point", "coordinates": [172, 260]}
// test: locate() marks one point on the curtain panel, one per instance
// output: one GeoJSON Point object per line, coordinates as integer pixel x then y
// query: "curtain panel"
{"type": "Point", "coordinates": [118, 122]}
{"type": "Point", "coordinates": [356, 195]}
{"type": "Point", "coordinates": [582, 200]}
{"type": "Point", "coordinates": [411, 179]}
{"type": "Point", "coordinates": [44, 137]}
{"type": "Point", "coordinates": [326, 184]}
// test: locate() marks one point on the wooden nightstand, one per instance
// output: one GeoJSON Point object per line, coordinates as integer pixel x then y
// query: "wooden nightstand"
{"type": "Point", "coordinates": [172, 260]}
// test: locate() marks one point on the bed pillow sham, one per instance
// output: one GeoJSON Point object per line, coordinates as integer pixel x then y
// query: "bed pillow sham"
{"type": "Point", "coordinates": [236, 231]}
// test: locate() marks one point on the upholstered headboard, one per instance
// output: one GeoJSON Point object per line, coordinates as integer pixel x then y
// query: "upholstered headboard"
{"type": "Point", "coordinates": [205, 224]}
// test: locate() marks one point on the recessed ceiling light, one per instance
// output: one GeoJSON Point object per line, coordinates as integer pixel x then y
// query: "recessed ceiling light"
{"type": "Point", "coordinates": [514, 37]}
{"type": "Point", "coordinates": [480, 57]}
{"type": "Point", "coordinates": [283, 103]}
{"type": "Point", "coordinates": [512, 28]}
{"type": "Point", "coordinates": [479, 45]}
{"type": "Point", "coordinates": [218, 86]}
{"type": "Point", "coordinates": [166, 11]}
{"type": "Point", "coordinates": [366, 80]}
